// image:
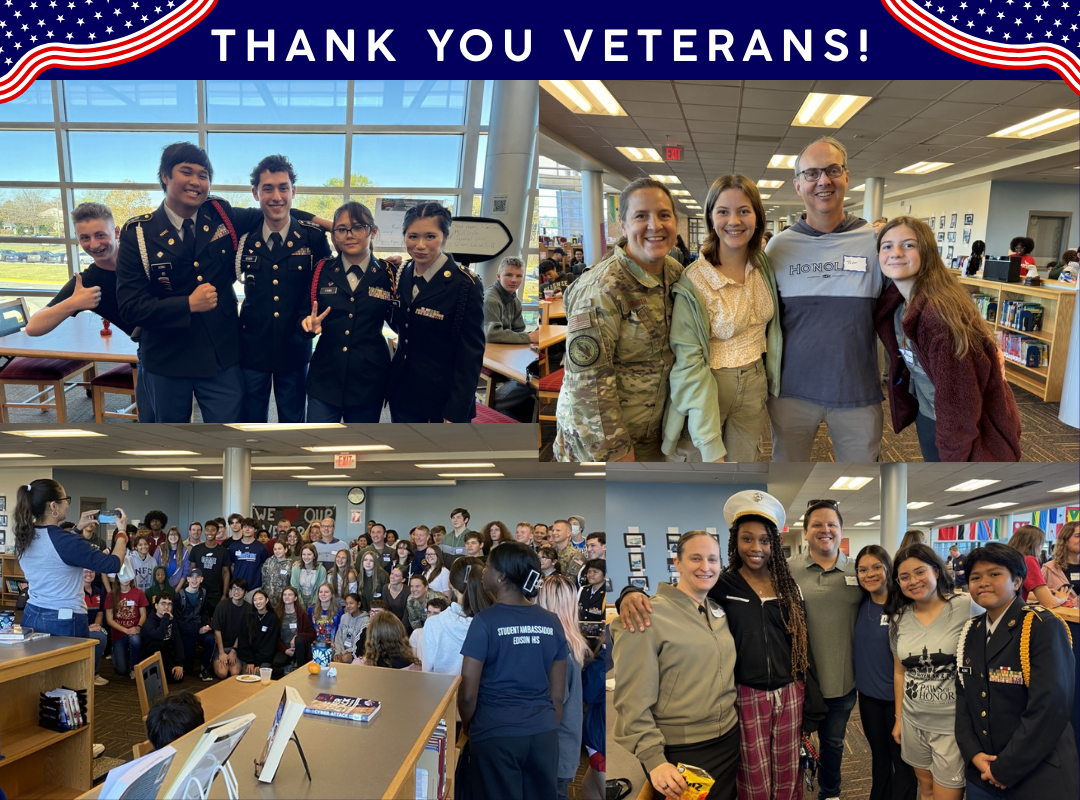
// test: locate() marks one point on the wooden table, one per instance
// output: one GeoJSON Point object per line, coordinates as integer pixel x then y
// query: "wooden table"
{"type": "Point", "coordinates": [225, 695]}
{"type": "Point", "coordinates": [509, 360]}
{"type": "Point", "coordinates": [413, 704]}
{"type": "Point", "coordinates": [551, 309]}
{"type": "Point", "coordinates": [76, 338]}
{"type": "Point", "coordinates": [551, 335]}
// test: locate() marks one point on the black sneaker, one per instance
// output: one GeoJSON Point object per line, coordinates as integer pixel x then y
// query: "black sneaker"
{"type": "Point", "coordinates": [205, 676]}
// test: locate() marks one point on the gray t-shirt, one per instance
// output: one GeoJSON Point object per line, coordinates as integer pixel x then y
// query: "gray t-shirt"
{"type": "Point", "coordinates": [928, 653]}
{"type": "Point", "coordinates": [921, 385]}
{"type": "Point", "coordinates": [832, 599]}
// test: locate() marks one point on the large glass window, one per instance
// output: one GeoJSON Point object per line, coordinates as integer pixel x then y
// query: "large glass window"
{"type": "Point", "coordinates": [36, 159]}
{"type": "Point", "coordinates": [318, 158]}
{"type": "Point", "coordinates": [409, 102]}
{"type": "Point", "coordinates": [131, 101]}
{"type": "Point", "coordinates": [30, 211]}
{"type": "Point", "coordinates": [391, 160]}
{"type": "Point", "coordinates": [277, 102]}
{"type": "Point", "coordinates": [33, 105]}
{"type": "Point", "coordinates": [119, 156]}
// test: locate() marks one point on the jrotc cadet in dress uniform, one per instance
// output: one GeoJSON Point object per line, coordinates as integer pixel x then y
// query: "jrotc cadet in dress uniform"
{"type": "Point", "coordinates": [275, 262]}
{"type": "Point", "coordinates": [440, 327]}
{"type": "Point", "coordinates": [174, 279]}
{"type": "Point", "coordinates": [350, 298]}
{"type": "Point", "coordinates": [1017, 675]}
{"type": "Point", "coordinates": [611, 406]}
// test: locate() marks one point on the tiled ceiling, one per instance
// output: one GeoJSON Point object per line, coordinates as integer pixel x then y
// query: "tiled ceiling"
{"type": "Point", "coordinates": [512, 448]}
{"type": "Point", "coordinates": [736, 126]}
{"type": "Point", "coordinates": [795, 484]}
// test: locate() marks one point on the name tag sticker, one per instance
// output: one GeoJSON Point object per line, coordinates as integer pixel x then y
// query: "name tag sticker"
{"type": "Point", "coordinates": [129, 602]}
{"type": "Point", "coordinates": [63, 613]}
{"type": "Point", "coordinates": [851, 580]}
{"type": "Point", "coordinates": [264, 629]}
{"type": "Point", "coordinates": [884, 619]}
{"type": "Point", "coordinates": [327, 290]}
{"type": "Point", "coordinates": [717, 612]}
{"type": "Point", "coordinates": [854, 263]}
{"type": "Point", "coordinates": [292, 625]}
{"type": "Point", "coordinates": [284, 572]}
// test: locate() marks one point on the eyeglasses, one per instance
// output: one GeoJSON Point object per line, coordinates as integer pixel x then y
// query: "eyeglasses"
{"type": "Point", "coordinates": [834, 171]}
{"type": "Point", "coordinates": [355, 230]}
{"type": "Point", "coordinates": [64, 500]}
{"type": "Point", "coordinates": [833, 504]}
{"type": "Point", "coordinates": [868, 570]}
{"type": "Point", "coordinates": [918, 574]}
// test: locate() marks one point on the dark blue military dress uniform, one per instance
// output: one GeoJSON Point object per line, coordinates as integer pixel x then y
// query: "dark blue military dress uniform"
{"type": "Point", "coordinates": [440, 348]}
{"type": "Point", "coordinates": [276, 276]}
{"type": "Point", "coordinates": [351, 366]}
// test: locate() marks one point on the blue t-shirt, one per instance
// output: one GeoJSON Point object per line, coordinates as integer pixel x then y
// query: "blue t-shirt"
{"type": "Point", "coordinates": [247, 561]}
{"type": "Point", "coordinates": [518, 645]}
{"type": "Point", "coordinates": [873, 656]}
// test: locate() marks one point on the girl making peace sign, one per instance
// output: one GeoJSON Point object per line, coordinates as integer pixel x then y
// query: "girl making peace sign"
{"type": "Point", "coordinates": [351, 296]}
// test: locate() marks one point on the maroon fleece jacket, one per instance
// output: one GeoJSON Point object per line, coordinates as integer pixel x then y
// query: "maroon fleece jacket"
{"type": "Point", "coordinates": [977, 417]}
{"type": "Point", "coordinates": [305, 629]}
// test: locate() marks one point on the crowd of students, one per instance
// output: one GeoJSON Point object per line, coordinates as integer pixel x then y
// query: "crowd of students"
{"type": "Point", "coordinates": [959, 690]}
{"type": "Point", "coordinates": [235, 598]}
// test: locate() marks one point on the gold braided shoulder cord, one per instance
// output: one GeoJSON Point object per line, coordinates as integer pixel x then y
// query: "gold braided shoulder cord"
{"type": "Point", "coordinates": [1025, 649]}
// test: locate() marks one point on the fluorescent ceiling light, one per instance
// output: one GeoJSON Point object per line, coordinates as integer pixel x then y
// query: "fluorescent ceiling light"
{"type": "Point", "coordinates": [766, 196]}
{"type": "Point", "coordinates": [640, 153]}
{"type": "Point", "coordinates": [828, 110]}
{"type": "Point", "coordinates": [1066, 489]}
{"type": "Point", "coordinates": [844, 484]}
{"type": "Point", "coordinates": [924, 522]}
{"type": "Point", "coordinates": [923, 167]}
{"type": "Point", "coordinates": [1041, 125]}
{"type": "Point", "coordinates": [335, 477]}
{"type": "Point", "coordinates": [782, 162]}
{"type": "Point", "coordinates": [55, 433]}
{"type": "Point", "coordinates": [919, 505]}
{"type": "Point", "coordinates": [680, 193]}
{"type": "Point", "coordinates": [860, 188]}
{"type": "Point", "coordinates": [764, 184]}
{"type": "Point", "coordinates": [971, 486]}
{"type": "Point", "coordinates": [159, 452]}
{"type": "Point", "coordinates": [471, 475]}
{"type": "Point", "coordinates": [283, 426]}
{"type": "Point", "coordinates": [876, 518]}
{"type": "Point", "coordinates": [164, 469]}
{"type": "Point", "coordinates": [590, 474]}
{"type": "Point", "coordinates": [352, 448]}
{"type": "Point", "coordinates": [33, 455]}
{"type": "Point", "coordinates": [665, 178]}
{"type": "Point", "coordinates": [998, 505]}
{"type": "Point", "coordinates": [585, 97]}
{"type": "Point", "coordinates": [863, 524]}
{"type": "Point", "coordinates": [207, 477]}
{"type": "Point", "coordinates": [949, 516]}
{"type": "Point", "coordinates": [462, 465]}
{"type": "Point", "coordinates": [278, 469]}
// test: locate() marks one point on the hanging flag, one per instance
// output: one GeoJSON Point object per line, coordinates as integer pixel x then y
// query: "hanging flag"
{"type": "Point", "coordinates": [985, 531]}
{"type": "Point", "coordinates": [1041, 520]}
{"type": "Point", "coordinates": [1007, 36]}
{"type": "Point", "coordinates": [1072, 513]}
{"type": "Point", "coordinates": [947, 534]}
{"type": "Point", "coordinates": [82, 34]}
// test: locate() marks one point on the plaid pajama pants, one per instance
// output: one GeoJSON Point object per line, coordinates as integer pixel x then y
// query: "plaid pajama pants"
{"type": "Point", "coordinates": [770, 725]}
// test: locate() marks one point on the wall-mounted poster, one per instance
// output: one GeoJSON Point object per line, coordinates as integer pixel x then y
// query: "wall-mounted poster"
{"type": "Point", "coordinates": [969, 219]}
{"type": "Point", "coordinates": [941, 222]}
{"type": "Point", "coordinates": [952, 236]}
{"type": "Point", "coordinates": [952, 221]}
{"type": "Point", "coordinates": [967, 235]}
{"type": "Point", "coordinates": [933, 223]}
{"type": "Point", "coordinates": [637, 561]}
{"type": "Point", "coordinates": [949, 254]}
{"type": "Point", "coordinates": [640, 583]}
{"type": "Point", "coordinates": [941, 236]}
{"type": "Point", "coordinates": [3, 502]}
{"type": "Point", "coordinates": [634, 539]}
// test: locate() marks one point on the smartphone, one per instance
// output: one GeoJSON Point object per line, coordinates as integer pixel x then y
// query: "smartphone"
{"type": "Point", "coordinates": [108, 516]}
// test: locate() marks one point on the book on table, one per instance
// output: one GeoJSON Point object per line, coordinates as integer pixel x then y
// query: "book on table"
{"type": "Point", "coordinates": [139, 779]}
{"type": "Point", "coordinates": [211, 753]}
{"type": "Point", "coordinates": [289, 711]}
{"type": "Point", "coordinates": [339, 706]}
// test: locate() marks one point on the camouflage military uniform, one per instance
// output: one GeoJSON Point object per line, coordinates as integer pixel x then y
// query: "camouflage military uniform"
{"type": "Point", "coordinates": [617, 362]}
{"type": "Point", "coordinates": [571, 560]}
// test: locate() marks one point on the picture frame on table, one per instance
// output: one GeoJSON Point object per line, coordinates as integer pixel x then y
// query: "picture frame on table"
{"type": "Point", "coordinates": [633, 539]}
{"type": "Point", "coordinates": [637, 561]}
{"type": "Point", "coordinates": [640, 582]}
{"type": "Point", "coordinates": [969, 219]}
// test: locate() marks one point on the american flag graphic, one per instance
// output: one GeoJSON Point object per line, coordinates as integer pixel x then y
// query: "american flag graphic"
{"type": "Point", "coordinates": [1009, 34]}
{"type": "Point", "coordinates": [83, 34]}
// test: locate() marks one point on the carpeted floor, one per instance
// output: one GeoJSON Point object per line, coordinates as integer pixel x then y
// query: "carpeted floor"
{"type": "Point", "coordinates": [1044, 438]}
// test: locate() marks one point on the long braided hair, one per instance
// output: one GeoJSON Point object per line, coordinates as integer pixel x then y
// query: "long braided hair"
{"type": "Point", "coordinates": [787, 591]}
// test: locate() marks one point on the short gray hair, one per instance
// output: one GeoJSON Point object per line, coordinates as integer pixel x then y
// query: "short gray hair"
{"type": "Point", "coordinates": [511, 261]}
{"type": "Point", "coordinates": [829, 140]}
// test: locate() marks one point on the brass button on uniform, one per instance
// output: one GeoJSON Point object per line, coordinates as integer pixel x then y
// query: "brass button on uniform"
{"type": "Point", "coordinates": [275, 282]}
{"type": "Point", "coordinates": [344, 349]}
{"type": "Point", "coordinates": [346, 333]}
{"type": "Point", "coordinates": [984, 694]}
{"type": "Point", "coordinates": [350, 316]}
{"type": "Point", "coordinates": [983, 714]}
{"type": "Point", "coordinates": [276, 314]}
{"type": "Point", "coordinates": [275, 298]}
{"type": "Point", "coordinates": [195, 264]}
{"type": "Point", "coordinates": [275, 266]}
{"type": "Point", "coordinates": [198, 277]}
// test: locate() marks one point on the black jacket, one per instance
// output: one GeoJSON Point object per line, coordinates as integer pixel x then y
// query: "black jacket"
{"type": "Point", "coordinates": [440, 344]}
{"type": "Point", "coordinates": [191, 616]}
{"type": "Point", "coordinates": [1026, 727]}
{"type": "Point", "coordinates": [259, 646]}
{"type": "Point", "coordinates": [277, 295]}
{"type": "Point", "coordinates": [166, 630]}
{"type": "Point", "coordinates": [351, 364]}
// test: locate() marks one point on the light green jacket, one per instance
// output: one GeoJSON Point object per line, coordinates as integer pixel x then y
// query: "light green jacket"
{"type": "Point", "coordinates": [692, 387]}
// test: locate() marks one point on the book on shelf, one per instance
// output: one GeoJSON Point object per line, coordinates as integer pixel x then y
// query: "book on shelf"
{"type": "Point", "coordinates": [987, 305]}
{"type": "Point", "coordinates": [1025, 350]}
{"type": "Point", "coordinates": [1021, 315]}
{"type": "Point", "coordinates": [139, 779]}
{"type": "Point", "coordinates": [340, 706]}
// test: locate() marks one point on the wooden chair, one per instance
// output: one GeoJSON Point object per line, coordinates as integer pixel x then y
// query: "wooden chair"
{"type": "Point", "coordinates": [150, 682]}
{"type": "Point", "coordinates": [141, 749]}
{"type": "Point", "coordinates": [550, 386]}
{"type": "Point", "coordinates": [119, 380]}
{"type": "Point", "coordinates": [52, 376]}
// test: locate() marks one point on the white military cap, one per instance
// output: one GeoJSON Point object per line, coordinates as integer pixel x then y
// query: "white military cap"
{"type": "Point", "coordinates": [753, 501]}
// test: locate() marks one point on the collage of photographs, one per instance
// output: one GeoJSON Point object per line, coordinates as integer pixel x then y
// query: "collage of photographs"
{"type": "Point", "coordinates": [236, 317]}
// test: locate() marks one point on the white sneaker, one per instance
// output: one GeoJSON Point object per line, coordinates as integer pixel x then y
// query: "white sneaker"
{"type": "Point", "coordinates": [100, 681]}
{"type": "Point", "coordinates": [98, 749]}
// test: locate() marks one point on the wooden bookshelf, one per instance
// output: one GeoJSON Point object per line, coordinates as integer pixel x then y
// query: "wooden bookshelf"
{"type": "Point", "coordinates": [1044, 382]}
{"type": "Point", "coordinates": [38, 762]}
{"type": "Point", "coordinates": [9, 568]}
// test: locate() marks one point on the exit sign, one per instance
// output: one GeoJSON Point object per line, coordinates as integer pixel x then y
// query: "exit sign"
{"type": "Point", "coordinates": [345, 461]}
{"type": "Point", "coordinates": [673, 153]}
